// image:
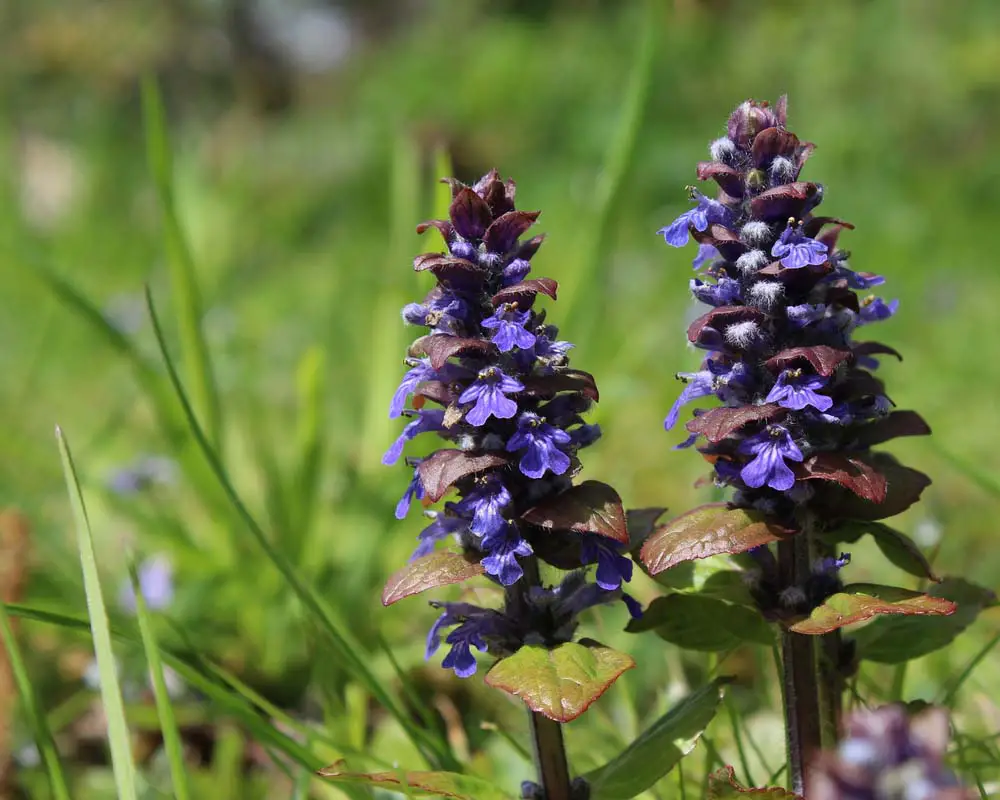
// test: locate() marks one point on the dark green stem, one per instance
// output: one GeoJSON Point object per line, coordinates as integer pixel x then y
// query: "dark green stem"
{"type": "Point", "coordinates": [546, 735]}
{"type": "Point", "coordinates": [800, 690]}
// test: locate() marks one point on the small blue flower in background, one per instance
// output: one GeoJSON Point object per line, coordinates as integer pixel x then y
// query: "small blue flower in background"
{"type": "Point", "coordinates": [156, 582]}
{"type": "Point", "coordinates": [143, 473]}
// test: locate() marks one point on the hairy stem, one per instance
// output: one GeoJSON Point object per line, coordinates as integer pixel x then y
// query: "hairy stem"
{"type": "Point", "coordinates": [800, 690]}
{"type": "Point", "coordinates": [546, 735]}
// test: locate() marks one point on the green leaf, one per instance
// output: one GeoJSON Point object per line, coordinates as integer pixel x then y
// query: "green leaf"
{"type": "Point", "coordinates": [187, 300]}
{"type": "Point", "coordinates": [590, 507]}
{"type": "Point", "coordinates": [561, 682]}
{"type": "Point", "coordinates": [697, 622]}
{"type": "Point", "coordinates": [860, 602]}
{"type": "Point", "coordinates": [111, 695]}
{"type": "Point", "coordinates": [419, 784]}
{"type": "Point", "coordinates": [899, 548]}
{"type": "Point", "coordinates": [658, 748]}
{"type": "Point", "coordinates": [892, 641]}
{"type": "Point", "coordinates": [720, 577]}
{"type": "Point", "coordinates": [437, 569]}
{"type": "Point", "coordinates": [310, 389]}
{"type": "Point", "coordinates": [37, 718]}
{"type": "Point", "coordinates": [164, 707]}
{"type": "Point", "coordinates": [707, 531]}
{"type": "Point", "coordinates": [722, 785]}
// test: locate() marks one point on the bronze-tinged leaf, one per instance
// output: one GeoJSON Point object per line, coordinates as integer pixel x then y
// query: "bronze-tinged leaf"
{"type": "Point", "coordinates": [783, 202]}
{"type": "Point", "coordinates": [438, 391]}
{"type": "Point", "coordinates": [842, 296]}
{"type": "Point", "coordinates": [717, 423]}
{"type": "Point", "coordinates": [896, 424]}
{"type": "Point", "coordinates": [707, 531]}
{"type": "Point", "coordinates": [451, 785]}
{"type": "Point", "coordinates": [437, 569]}
{"type": "Point", "coordinates": [860, 603]}
{"type": "Point", "coordinates": [823, 359]}
{"type": "Point", "coordinates": [812, 226]}
{"type": "Point", "coordinates": [507, 229]}
{"type": "Point", "coordinates": [728, 179]}
{"type": "Point", "coordinates": [859, 384]}
{"type": "Point", "coordinates": [525, 292]}
{"type": "Point", "coordinates": [443, 468]}
{"type": "Point", "coordinates": [449, 269]}
{"type": "Point", "coordinates": [722, 317]}
{"type": "Point", "coordinates": [875, 349]}
{"type": "Point", "coordinates": [722, 239]}
{"type": "Point", "coordinates": [722, 785]}
{"type": "Point", "coordinates": [498, 195]}
{"type": "Point", "coordinates": [561, 682]}
{"type": "Point", "coordinates": [904, 487]}
{"type": "Point", "coordinates": [640, 523]}
{"type": "Point", "coordinates": [439, 347]}
{"type": "Point", "coordinates": [470, 214]}
{"type": "Point", "coordinates": [850, 471]}
{"type": "Point", "coordinates": [567, 380]}
{"type": "Point", "coordinates": [443, 226]}
{"type": "Point", "coordinates": [772, 142]}
{"type": "Point", "coordinates": [591, 507]}
{"type": "Point", "coordinates": [528, 249]}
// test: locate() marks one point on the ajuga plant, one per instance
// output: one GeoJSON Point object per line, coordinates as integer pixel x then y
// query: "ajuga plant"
{"type": "Point", "coordinates": [799, 412]}
{"type": "Point", "coordinates": [490, 377]}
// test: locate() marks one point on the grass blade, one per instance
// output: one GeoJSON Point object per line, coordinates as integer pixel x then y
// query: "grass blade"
{"type": "Point", "coordinates": [949, 696]}
{"type": "Point", "coordinates": [187, 299]}
{"type": "Point", "coordinates": [38, 720]}
{"type": "Point", "coordinates": [111, 695]}
{"type": "Point", "coordinates": [164, 707]}
{"type": "Point", "coordinates": [580, 294]}
{"type": "Point", "coordinates": [309, 444]}
{"type": "Point", "coordinates": [342, 641]}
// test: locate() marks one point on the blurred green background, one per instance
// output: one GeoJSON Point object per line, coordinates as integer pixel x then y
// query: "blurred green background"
{"type": "Point", "coordinates": [306, 140]}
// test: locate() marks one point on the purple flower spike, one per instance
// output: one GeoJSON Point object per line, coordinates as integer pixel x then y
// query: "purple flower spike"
{"type": "Point", "coordinates": [612, 567]}
{"type": "Point", "coordinates": [796, 390]}
{"type": "Point", "coordinates": [708, 211]}
{"type": "Point", "coordinates": [771, 447]}
{"type": "Point", "coordinates": [508, 329]}
{"type": "Point", "coordinates": [426, 420]}
{"type": "Point", "coordinates": [156, 582]}
{"type": "Point", "coordinates": [503, 548]}
{"type": "Point", "coordinates": [489, 393]}
{"type": "Point", "coordinates": [796, 250]}
{"type": "Point", "coordinates": [541, 442]}
{"type": "Point", "coordinates": [415, 489]}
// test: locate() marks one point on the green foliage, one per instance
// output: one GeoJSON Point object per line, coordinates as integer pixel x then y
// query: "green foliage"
{"type": "Point", "coordinates": [700, 622]}
{"type": "Point", "coordinates": [420, 784]}
{"type": "Point", "coordinates": [659, 748]}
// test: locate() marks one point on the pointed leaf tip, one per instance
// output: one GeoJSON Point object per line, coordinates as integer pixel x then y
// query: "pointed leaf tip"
{"type": "Point", "coordinates": [849, 607]}
{"type": "Point", "coordinates": [437, 569]}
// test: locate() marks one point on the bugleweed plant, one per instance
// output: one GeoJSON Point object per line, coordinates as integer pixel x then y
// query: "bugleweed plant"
{"type": "Point", "coordinates": [800, 413]}
{"type": "Point", "coordinates": [491, 378]}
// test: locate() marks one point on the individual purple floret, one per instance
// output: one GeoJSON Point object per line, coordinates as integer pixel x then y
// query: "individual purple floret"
{"type": "Point", "coordinates": [489, 376]}
{"type": "Point", "coordinates": [796, 390]}
{"type": "Point", "coordinates": [797, 250]}
{"type": "Point", "coordinates": [770, 448]}
{"type": "Point", "coordinates": [706, 212]}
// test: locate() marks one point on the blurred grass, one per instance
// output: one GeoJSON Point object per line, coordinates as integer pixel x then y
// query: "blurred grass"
{"type": "Point", "coordinates": [301, 227]}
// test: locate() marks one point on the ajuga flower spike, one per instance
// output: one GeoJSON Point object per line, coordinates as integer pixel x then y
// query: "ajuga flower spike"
{"type": "Point", "coordinates": [491, 378]}
{"type": "Point", "coordinates": [799, 407]}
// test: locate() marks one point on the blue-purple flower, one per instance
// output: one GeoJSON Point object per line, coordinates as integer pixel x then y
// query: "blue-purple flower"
{"type": "Point", "coordinates": [508, 328]}
{"type": "Point", "coordinates": [795, 389]}
{"type": "Point", "coordinates": [770, 448]}
{"type": "Point", "coordinates": [613, 568]}
{"type": "Point", "coordinates": [796, 250]}
{"type": "Point", "coordinates": [503, 548]}
{"type": "Point", "coordinates": [489, 393]}
{"type": "Point", "coordinates": [414, 490]}
{"type": "Point", "coordinates": [430, 419]}
{"type": "Point", "coordinates": [541, 444]}
{"type": "Point", "coordinates": [706, 212]}
{"type": "Point", "coordinates": [156, 583]}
